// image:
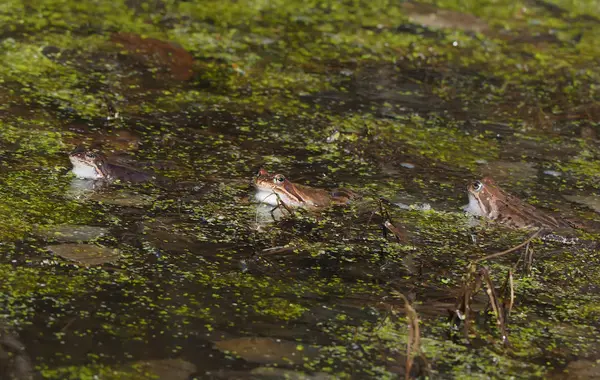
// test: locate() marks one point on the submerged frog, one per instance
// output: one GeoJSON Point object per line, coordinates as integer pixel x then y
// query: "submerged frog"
{"type": "Point", "coordinates": [93, 165]}
{"type": "Point", "coordinates": [488, 200]}
{"type": "Point", "coordinates": [275, 188]}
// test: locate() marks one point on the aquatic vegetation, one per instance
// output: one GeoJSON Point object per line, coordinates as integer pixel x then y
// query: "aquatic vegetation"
{"type": "Point", "coordinates": [404, 101]}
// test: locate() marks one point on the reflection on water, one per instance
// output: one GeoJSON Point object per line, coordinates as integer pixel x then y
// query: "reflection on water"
{"type": "Point", "coordinates": [267, 214]}
{"type": "Point", "coordinates": [82, 189]}
{"type": "Point", "coordinates": [195, 276]}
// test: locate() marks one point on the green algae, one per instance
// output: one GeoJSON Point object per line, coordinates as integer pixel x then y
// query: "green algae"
{"type": "Point", "coordinates": [433, 138]}
{"type": "Point", "coordinates": [584, 166]}
{"type": "Point", "coordinates": [30, 199]}
{"type": "Point", "coordinates": [24, 144]}
{"type": "Point", "coordinates": [263, 62]}
{"type": "Point", "coordinates": [280, 308]}
{"type": "Point", "coordinates": [45, 80]}
{"type": "Point", "coordinates": [132, 371]}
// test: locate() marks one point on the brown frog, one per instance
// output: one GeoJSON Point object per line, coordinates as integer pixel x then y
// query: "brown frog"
{"type": "Point", "coordinates": [488, 200]}
{"type": "Point", "coordinates": [94, 165]}
{"type": "Point", "coordinates": [275, 188]}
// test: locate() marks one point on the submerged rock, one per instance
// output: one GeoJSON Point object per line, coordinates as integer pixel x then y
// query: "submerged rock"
{"type": "Point", "coordinates": [591, 201]}
{"type": "Point", "coordinates": [270, 373]}
{"type": "Point", "coordinates": [268, 350]}
{"type": "Point", "coordinates": [67, 233]}
{"type": "Point", "coordinates": [279, 373]}
{"type": "Point", "coordinates": [123, 198]}
{"type": "Point", "coordinates": [85, 254]}
{"type": "Point", "coordinates": [15, 364]}
{"type": "Point", "coordinates": [438, 18]}
{"type": "Point", "coordinates": [578, 370]}
{"type": "Point", "coordinates": [165, 369]}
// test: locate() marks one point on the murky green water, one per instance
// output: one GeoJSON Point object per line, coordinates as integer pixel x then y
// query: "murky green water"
{"type": "Point", "coordinates": [188, 278]}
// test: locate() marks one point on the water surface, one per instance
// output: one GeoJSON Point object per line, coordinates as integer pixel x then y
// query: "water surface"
{"type": "Point", "coordinates": [405, 101]}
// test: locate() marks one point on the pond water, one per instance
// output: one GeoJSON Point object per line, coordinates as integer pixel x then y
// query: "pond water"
{"type": "Point", "coordinates": [185, 276]}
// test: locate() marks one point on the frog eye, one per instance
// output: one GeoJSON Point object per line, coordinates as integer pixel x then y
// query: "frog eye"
{"type": "Point", "coordinates": [477, 186]}
{"type": "Point", "coordinates": [279, 178]}
{"type": "Point", "coordinates": [90, 155]}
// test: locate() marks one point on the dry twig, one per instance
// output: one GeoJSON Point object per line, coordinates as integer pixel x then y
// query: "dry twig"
{"type": "Point", "coordinates": [505, 252]}
{"type": "Point", "coordinates": [413, 344]}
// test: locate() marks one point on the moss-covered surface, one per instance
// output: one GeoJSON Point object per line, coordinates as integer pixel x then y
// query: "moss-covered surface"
{"type": "Point", "coordinates": [407, 101]}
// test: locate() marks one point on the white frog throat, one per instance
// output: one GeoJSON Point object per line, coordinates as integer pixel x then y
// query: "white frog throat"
{"type": "Point", "coordinates": [268, 197]}
{"type": "Point", "coordinates": [473, 207]}
{"type": "Point", "coordinates": [85, 171]}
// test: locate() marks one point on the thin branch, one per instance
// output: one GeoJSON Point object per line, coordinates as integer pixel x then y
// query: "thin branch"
{"type": "Point", "coordinates": [498, 254]}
